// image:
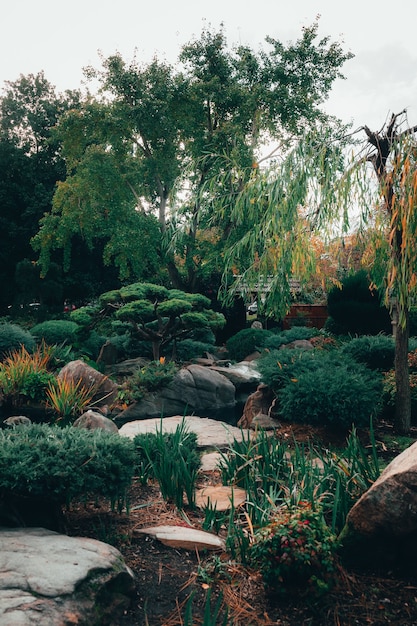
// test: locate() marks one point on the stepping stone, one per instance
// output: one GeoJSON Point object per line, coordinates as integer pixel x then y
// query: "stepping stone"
{"type": "Point", "coordinates": [220, 497]}
{"type": "Point", "coordinates": [210, 461]}
{"type": "Point", "coordinates": [184, 537]}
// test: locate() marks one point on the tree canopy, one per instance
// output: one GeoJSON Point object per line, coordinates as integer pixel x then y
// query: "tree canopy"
{"type": "Point", "coordinates": [158, 137]}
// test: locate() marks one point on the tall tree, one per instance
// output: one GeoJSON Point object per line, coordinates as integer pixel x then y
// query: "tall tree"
{"type": "Point", "coordinates": [165, 132]}
{"type": "Point", "coordinates": [311, 189]}
{"type": "Point", "coordinates": [30, 166]}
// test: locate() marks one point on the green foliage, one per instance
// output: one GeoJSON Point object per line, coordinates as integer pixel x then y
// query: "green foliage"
{"type": "Point", "coordinates": [171, 458]}
{"type": "Point", "coordinates": [68, 399]}
{"type": "Point", "coordinates": [321, 387]}
{"type": "Point", "coordinates": [296, 333]}
{"type": "Point", "coordinates": [356, 309]}
{"type": "Point", "coordinates": [335, 393]}
{"type": "Point", "coordinates": [63, 464]}
{"type": "Point", "coordinates": [160, 316]}
{"type": "Point", "coordinates": [294, 551]}
{"type": "Point", "coordinates": [275, 473]}
{"type": "Point", "coordinates": [24, 375]}
{"type": "Point", "coordinates": [12, 337]}
{"type": "Point", "coordinates": [189, 349]}
{"type": "Point", "coordinates": [150, 377]}
{"type": "Point", "coordinates": [375, 351]}
{"type": "Point", "coordinates": [56, 332]}
{"type": "Point", "coordinates": [245, 342]}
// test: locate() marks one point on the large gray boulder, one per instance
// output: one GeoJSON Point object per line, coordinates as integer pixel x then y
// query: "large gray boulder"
{"type": "Point", "coordinates": [194, 389]}
{"type": "Point", "coordinates": [50, 579]}
{"type": "Point", "coordinates": [382, 524]}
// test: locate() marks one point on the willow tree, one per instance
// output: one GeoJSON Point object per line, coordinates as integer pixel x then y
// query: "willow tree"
{"type": "Point", "coordinates": [314, 188]}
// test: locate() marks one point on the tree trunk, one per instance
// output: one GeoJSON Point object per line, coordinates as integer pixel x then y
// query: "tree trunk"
{"type": "Point", "coordinates": [402, 419]}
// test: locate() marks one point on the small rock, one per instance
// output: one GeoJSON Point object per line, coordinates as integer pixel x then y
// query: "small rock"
{"type": "Point", "coordinates": [184, 537]}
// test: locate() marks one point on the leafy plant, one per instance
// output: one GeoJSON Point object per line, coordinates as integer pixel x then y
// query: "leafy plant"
{"type": "Point", "coordinates": [275, 472]}
{"type": "Point", "coordinates": [173, 460]}
{"type": "Point", "coordinates": [24, 375]}
{"type": "Point", "coordinates": [150, 377]}
{"type": "Point", "coordinates": [295, 550]}
{"type": "Point", "coordinates": [68, 399]}
{"type": "Point", "coordinates": [62, 464]}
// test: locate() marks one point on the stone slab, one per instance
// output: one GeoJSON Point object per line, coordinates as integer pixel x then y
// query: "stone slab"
{"type": "Point", "coordinates": [210, 433]}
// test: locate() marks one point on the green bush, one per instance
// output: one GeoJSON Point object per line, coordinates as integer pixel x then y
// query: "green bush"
{"type": "Point", "coordinates": [295, 551]}
{"type": "Point", "coordinates": [12, 337]}
{"type": "Point", "coordinates": [355, 309]}
{"type": "Point", "coordinates": [189, 349]}
{"type": "Point", "coordinates": [336, 392]}
{"type": "Point", "coordinates": [296, 333]}
{"type": "Point", "coordinates": [321, 387]}
{"type": "Point", "coordinates": [150, 377]}
{"type": "Point", "coordinates": [375, 351]}
{"type": "Point", "coordinates": [56, 332]}
{"type": "Point", "coordinates": [245, 342]}
{"type": "Point", "coordinates": [64, 464]}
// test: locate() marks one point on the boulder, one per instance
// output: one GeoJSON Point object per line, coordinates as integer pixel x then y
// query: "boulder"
{"type": "Point", "coordinates": [52, 580]}
{"type": "Point", "coordinates": [258, 403]}
{"type": "Point", "coordinates": [105, 390]}
{"type": "Point", "coordinates": [210, 433]}
{"type": "Point", "coordinates": [194, 389]}
{"type": "Point", "coordinates": [92, 420]}
{"type": "Point", "coordinates": [17, 420]}
{"type": "Point", "coordinates": [382, 524]}
{"type": "Point", "coordinates": [298, 344]}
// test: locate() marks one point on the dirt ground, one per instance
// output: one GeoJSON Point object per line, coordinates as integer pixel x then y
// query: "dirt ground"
{"type": "Point", "coordinates": [166, 578]}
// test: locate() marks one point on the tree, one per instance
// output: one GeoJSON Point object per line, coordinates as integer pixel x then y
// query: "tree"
{"type": "Point", "coordinates": [30, 165]}
{"type": "Point", "coordinates": [154, 313]}
{"type": "Point", "coordinates": [309, 191]}
{"type": "Point", "coordinates": [160, 136]}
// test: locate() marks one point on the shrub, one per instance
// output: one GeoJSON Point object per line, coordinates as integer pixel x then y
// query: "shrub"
{"type": "Point", "coordinates": [287, 336]}
{"type": "Point", "coordinates": [338, 392]}
{"type": "Point", "coordinates": [56, 332]}
{"type": "Point", "coordinates": [24, 375]}
{"type": "Point", "coordinates": [150, 377]}
{"type": "Point", "coordinates": [12, 337]}
{"type": "Point", "coordinates": [321, 387]}
{"type": "Point", "coordinates": [245, 342]}
{"type": "Point", "coordinates": [356, 309]}
{"type": "Point", "coordinates": [375, 351]}
{"type": "Point", "coordinates": [189, 349]}
{"type": "Point", "coordinates": [295, 550]}
{"type": "Point", "coordinates": [171, 458]}
{"type": "Point", "coordinates": [63, 464]}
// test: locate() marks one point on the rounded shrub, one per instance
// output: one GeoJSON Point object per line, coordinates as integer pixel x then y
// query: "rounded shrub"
{"type": "Point", "coordinates": [245, 342]}
{"type": "Point", "coordinates": [337, 392]}
{"type": "Point", "coordinates": [13, 337]}
{"type": "Point", "coordinates": [56, 332]}
{"type": "Point", "coordinates": [375, 351]}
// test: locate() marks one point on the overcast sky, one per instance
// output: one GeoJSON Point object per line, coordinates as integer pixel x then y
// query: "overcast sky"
{"type": "Point", "coordinates": [61, 38]}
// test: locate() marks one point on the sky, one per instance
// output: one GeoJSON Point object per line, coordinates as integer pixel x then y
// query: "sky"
{"type": "Point", "coordinates": [61, 38]}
